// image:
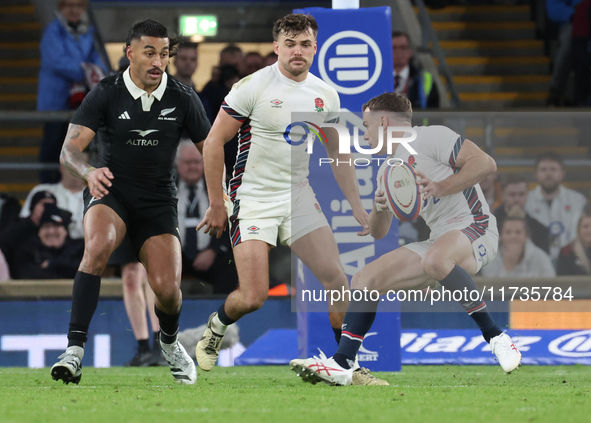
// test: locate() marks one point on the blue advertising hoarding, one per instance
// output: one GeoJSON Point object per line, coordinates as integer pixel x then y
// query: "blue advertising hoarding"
{"type": "Point", "coordinates": [34, 333]}
{"type": "Point", "coordinates": [538, 347]}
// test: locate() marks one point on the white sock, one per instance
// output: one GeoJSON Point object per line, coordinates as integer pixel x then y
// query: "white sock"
{"type": "Point", "coordinates": [217, 326]}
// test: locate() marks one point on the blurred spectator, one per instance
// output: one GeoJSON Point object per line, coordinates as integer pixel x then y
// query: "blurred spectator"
{"type": "Point", "coordinates": [229, 55]}
{"type": "Point", "coordinates": [270, 58]}
{"type": "Point", "coordinates": [68, 192]}
{"type": "Point", "coordinates": [581, 53]}
{"type": "Point", "coordinates": [9, 210]}
{"type": "Point", "coordinates": [20, 231]}
{"type": "Point", "coordinates": [417, 84]}
{"type": "Point", "coordinates": [51, 253]}
{"type": "Point", "coordinates": [204, 257]}
{"type": "Point", "coordinates": [561, 13]}
{"type": "Point", "coordinates": [574, 259]}
{"type": "Point", "coordinates": [514, 193]}
{"type": "Point", "coordinates": [518, 257]}
{"type": "Point", "coordinates": [70, 66]}
{"type": "Point", "coordinates": [252, 62]}
{"type": "Point", "coordinates": [555, 206]}
{"type": "Point", "coordinates": [4, 271]}
{"type": "Point", "coordinates": [213, 96]}
{"type": "Point", "coordinates": [186, 61]}
{"type": "Point", "coordinates": [491, 188]}
{"type": "Point", "coordinates": [223, 76]}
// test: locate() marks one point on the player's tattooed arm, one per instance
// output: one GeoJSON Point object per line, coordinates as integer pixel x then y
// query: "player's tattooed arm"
{"type": "Point", "coordinates": [72, 156]}
{"type": "Point", "coordinates": [73, 159]}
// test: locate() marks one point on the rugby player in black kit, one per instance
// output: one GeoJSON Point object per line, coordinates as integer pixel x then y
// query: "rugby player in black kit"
{"type": "Point", "coordinates": [139, 116]}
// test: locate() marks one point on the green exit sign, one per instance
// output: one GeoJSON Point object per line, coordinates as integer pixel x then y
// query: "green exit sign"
{"type": "Point", "coordinates": [206, 25]}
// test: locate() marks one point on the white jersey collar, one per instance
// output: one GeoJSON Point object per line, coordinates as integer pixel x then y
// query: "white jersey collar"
{"type": "Point", "coordinates": [147, 99]}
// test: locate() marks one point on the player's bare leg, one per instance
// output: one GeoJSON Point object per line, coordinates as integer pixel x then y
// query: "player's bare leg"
{"type": "Point", "coordinates": [133, 277]}
{"type": "Point", "coordinates": [318, 250]}
{"type": "Point", "coordinates": [103, 232]}
{"type": "Point", "coordinates": [397, 270]}
{"type": "Point", "coordinates": [451, 249]}
{"type": "Point", "coordinates": [161, 256]}
{"type": "Point", "coordinates": [451, 261]}
{"type": "Point", "coordinates": [252, 264]}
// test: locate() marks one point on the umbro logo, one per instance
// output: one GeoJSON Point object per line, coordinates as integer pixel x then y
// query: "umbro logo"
{"type": "Point", "coordinates": [165, 112]}
{"type": "Point", "coordinates": [253, 230]}
{"type": "Point", "coordinates": [124, 115]}
{"type": "Point", "coordinates": [276, 104]}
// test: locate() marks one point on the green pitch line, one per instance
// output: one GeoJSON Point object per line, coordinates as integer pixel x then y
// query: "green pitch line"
{"type": "Point", "coordinates": [424, 394]}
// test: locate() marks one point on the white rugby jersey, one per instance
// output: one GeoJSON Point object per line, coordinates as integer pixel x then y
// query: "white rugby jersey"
{"type": "Point", "coordinates": [437, 149]}
{"type": "Point", "coordinates": [267, 165]}
{"type": "Point", "coordinates": [561, 218]}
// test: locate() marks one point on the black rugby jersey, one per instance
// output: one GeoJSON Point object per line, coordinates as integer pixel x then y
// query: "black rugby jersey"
{"type": "Point", "coordinates": [139, 147]}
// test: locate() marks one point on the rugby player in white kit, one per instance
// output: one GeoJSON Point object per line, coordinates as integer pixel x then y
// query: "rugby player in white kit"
{"type": "Point", "coordinates": [269, 195]}
{"type": "Point", "coordinates": [464, 237]}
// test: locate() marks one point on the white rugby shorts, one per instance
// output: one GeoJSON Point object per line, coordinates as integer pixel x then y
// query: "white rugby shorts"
{"type": "Point", "coordinates": [484, 247]}
{"type": "Point", "coordinates": [288, 220]}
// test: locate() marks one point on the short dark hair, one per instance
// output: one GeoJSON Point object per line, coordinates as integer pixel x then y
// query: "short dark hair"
{"type": "Point", "coordinates": [231, 49]}
{"type": "Point", "coordinates": [151, 28]}
{"type": "Point", "coordinates": [253, 53]}
{"type": "Point", "coordinates": [512, 178]}
{"type": "Point", "coordinates": [397, 103]}
{"type": "Point", "coordinates": [550, 155]}
{"type": "Point", "coordinates": [185, 42]}
{"type": "Point", "coordinates": [511, 217]}
{"type": "Point", "coordinates": [294, 24]}
{"type": "Point", "coordinates": [396, 34]}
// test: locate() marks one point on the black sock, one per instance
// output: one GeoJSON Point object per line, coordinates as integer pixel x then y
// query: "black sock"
{"type": "Point", "coordinates": [143, 345]}
{"type": "Point", "coordinates": [360, 316]}
{"type": "Point", "coordinates": [224, 317]}
{"type": "Point", "coordinates": [457, 280]}
{"type": "Point", "coordinates": [85, 296]}
{"type": "Point", "coordinates": [337, 334]}
{"type": "Point", "coordinates": [155, 340]}
{"type": "Point", "coordinates": [169, 325]}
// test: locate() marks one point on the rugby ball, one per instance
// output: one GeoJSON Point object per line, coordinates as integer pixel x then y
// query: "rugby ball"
{"type": "Point", "coordinates": [399, 183]}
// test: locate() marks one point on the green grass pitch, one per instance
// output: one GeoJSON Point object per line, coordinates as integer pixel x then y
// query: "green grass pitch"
{"type": "Point", "coordinates": [422, 394]}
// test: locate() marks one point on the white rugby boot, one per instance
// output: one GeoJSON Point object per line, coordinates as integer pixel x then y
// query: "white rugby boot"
{"type": "Point", "coordinates": [208, 349]}
{"type": "Point", "coordinates": [507, 353]}
{"type": "Point", "coordinates": [181, 364]}
{"type": "Point", "coordinates": [69, 368]}
{"type": "Point", "coordinates": [322, 369]}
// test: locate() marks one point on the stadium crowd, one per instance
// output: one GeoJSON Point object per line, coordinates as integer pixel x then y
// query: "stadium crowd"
{"type": "Point", "coordinates": [548, 214]}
